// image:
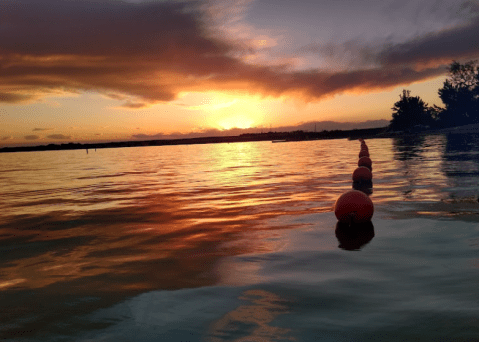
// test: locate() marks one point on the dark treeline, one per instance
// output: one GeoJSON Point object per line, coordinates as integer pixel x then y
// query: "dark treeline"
{"type": "Point", "coordinates": [270, 136]}
{"type": "Point", "coordinates": [459, 94]}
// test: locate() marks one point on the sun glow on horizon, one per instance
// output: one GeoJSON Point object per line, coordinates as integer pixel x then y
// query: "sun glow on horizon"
{"type": "Point", "coordinates": [225, 111]}
{"type": "Point", "coordinates": [238, 121]}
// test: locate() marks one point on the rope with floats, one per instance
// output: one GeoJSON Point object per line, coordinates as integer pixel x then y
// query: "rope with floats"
{"type": "Point", "coordinates": [355, 206]}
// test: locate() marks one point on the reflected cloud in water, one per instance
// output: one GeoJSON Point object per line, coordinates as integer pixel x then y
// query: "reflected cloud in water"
{"type": "Point", "coordinates": [252, 321]}
{"type": "Point", "coordinates": [110, 254]}
{"type": "Point", "coordinates": [83, 232]}
{"type": "Point", "coordinates": [119, 222]}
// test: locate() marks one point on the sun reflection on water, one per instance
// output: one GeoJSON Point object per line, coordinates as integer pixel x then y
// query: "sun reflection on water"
{"type": "Point", "coordinates": [123, 211]}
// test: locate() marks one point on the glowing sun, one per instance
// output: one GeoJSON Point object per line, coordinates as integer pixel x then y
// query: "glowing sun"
{"type": "Point", "coordinates": [238, 121]}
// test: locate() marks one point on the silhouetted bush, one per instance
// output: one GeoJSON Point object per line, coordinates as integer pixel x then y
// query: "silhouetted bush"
{"type": "Point", "coordinates": [460, 95]}
{"type": "Point", "coordinates": [409, 112]}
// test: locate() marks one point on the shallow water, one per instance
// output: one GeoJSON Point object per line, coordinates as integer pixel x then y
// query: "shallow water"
{"type": "Point", "coordinates": [237, 242]}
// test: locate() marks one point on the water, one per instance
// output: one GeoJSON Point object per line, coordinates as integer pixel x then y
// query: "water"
{"type": "Point", "coordinates": [237, 242]}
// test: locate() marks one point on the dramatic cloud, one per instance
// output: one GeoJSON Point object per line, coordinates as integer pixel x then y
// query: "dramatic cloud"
{"type": "Point", "coordinates": [149, 52]}
{"type": "Point", "coordinates": [58, 136]}
{"type": "Point", "coordinates": [31, 137]}
{"type": "Point", "coordinates": [145, 50]}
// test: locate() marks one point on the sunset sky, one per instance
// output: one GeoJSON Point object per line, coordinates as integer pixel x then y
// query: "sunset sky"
{"type": "Point", "coordinates": [91, 70]}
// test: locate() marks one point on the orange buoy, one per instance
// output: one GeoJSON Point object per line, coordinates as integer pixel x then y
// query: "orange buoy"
{"type": "Point", "coordinates": [353, 207]}
{"type": "Point", "coordinates": [362, 173]}
{"type": "Point", "coordinates": [366, 162]}
{"type": "Point", "coordinates": [363, 153]}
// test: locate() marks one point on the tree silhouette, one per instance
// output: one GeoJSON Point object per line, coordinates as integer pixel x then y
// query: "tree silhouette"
{"type": "Point", "coordinates": [410, 111]}
{"type": "Point", "coordinates": [460, 94]}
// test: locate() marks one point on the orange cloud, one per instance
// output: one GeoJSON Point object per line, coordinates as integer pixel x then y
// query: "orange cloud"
{"type": "Point", "coordinates": [14, 97]}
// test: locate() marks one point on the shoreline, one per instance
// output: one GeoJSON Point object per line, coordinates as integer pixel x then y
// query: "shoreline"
{"type": "Point", "coordinates": [368, 133]}
{"type": "Point", "coordinates": [248, 137]}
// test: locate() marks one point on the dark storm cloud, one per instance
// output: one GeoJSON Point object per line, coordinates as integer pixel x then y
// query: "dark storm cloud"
{"type": "Point", "coordinates": [149, 52]}
{"type": "Point", "coordinates": [100, 28]}
{"type": "Point", "coordinates": [440, 47]}
{"type": "Point", "coordinates": [455, 43]}
{"type": "Point", "coordinates": [137, 49]}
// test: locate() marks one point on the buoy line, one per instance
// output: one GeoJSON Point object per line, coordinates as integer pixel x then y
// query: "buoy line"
{"type": "Point", "coordinates": [355, 206]}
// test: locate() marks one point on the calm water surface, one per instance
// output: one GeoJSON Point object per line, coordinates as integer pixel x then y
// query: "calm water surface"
{"type": "Point", "coordinates": [238, 242]}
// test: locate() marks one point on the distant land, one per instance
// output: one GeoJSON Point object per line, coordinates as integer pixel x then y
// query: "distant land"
{"type": "Point", "coordinates": [310, 126]}
{"type": "Point", "coordinates": [289, 136]}
{"type": "Point", "coordinates": [298, 135]}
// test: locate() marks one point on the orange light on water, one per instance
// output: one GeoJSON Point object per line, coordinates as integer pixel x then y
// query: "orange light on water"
{"type": "Point", "coordinates": [261, 308]}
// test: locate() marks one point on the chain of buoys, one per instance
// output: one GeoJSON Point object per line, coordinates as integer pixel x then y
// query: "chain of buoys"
{"type": "Point", "coordinates": [354, 209]}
